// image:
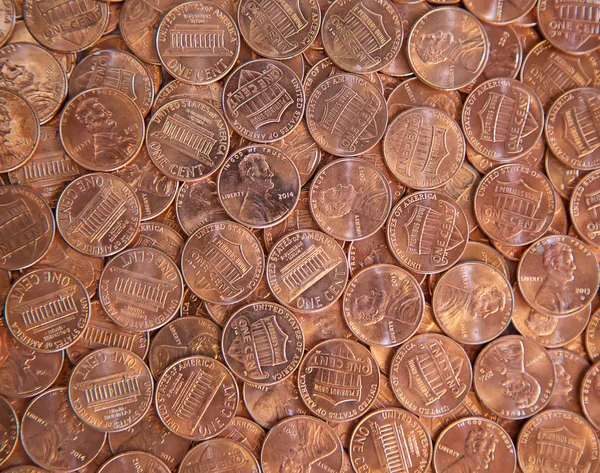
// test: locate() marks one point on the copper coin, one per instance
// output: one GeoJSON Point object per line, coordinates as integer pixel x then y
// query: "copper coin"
{"type": "Point", "coordinates": [346, 114]}
{"type": "Point", "coordinates": [324, 325]}
{"type": "Point", "coordinates": [383, 305]}
{"type": "Point", "coordinates": [514, 377]}
{"type": "Point", "coordinates": [485, 165]}
{"type": "Point", "coordinates": [430, 375]}
{"type": "Point", "coordinates": [187, 139]}
{"type": "Point", "coordinates": [69, 27]}
{"type": "Point", "coordinates": [245, 432]}
{"type": "Point", "coordinates": [362, 36]}
{"type": "Point", "coordinates": [193, 52]}
{"type": "Point", "coordinates": [9, 423]}
{"type": "Point", "coordinates": [570, 370]}
{"type": "Point", "coordinates": [222, 262]}
{"type": "Point", "coordinates": [307, 270]}
{"type": "Point", "coordinates": [217, 452]}
{"type": "Point", "coordinates": [498, 12]}
{"type": "Point", "coordinates": [503, 119]}
{"type": "Point", "coordinates": [370, 251]}
{"type": "Point", "coordinates": [279, 30]}
{"type": "Point", "coordinates": [26, 227]}
{"type": "Point", "coordinates": [375, 157]}
{"type": "Point", "coordinates": [473, 303]}
{"type": "Point", "coordinates": [448, 48]}
{"type": "Point", "coordinates": [138, 25]}
{"type": "Point", "coordinates": [102, 129]}
{"type": "Point", "coordinates": [592, 337]}
{"type": "Point", "coordinates": [338, 380]}
{"type": "Point", "coordinates": [390, 438]}
{"type": "Point", "coordinates": [198, 204]}
{"type": "Point", "coordinates": [301, 443]}
{"type": "Point", "coordinates": [50, 168]}
{"type": "Point", "coordinates": [110, 389]}
{"type": "Point", "coordinates": [557, 438]}
{"type": "Point", "coordinates": [9, 11]}
{"type": "Point", "coordinates": [258, 186]}
{"type": "Point", "coordinates": [424, 148]}
{"type": "Point", "coordinates": [25, 469]}
{"type": "Point", "coordinates": [102, 332]}
{"type": "Point", "coordinates": [574, 31]}
{"type": "Point", "coordinates": [570, 128]}
{"type": "Point", "coordinates": [585, 201]}
{"type": "Point", "coordinates": [462, 187]}
{"type": "Point", "coordinates": [176, 89]}
{"type": "Point", "coordinates": [563, 178]}
{"type": "Point", "coordinates": [151, 436]}
{"type": "Point", "coordinates": [558, 275]}
{"type": "Point", "coordinates": [98, 214]}
{"type": "Point", "coordinates": [590, 395]}
{"type": "Point", "coordinates": [263, 100]}
{"type": "Point", "coordinates": [19, 131]}
{"type": "Point", "coordinates": [514, 204]}
{"type": "Point", "coordinates": [118, 70]}
{"type": "Point", "coordinates": [134, 462]}
{"type": "Point", "coordinates": [141, 289]}
{"type": "Point", "coordinates": [427, 232]}
{"type": "Point", "coordinates": [185, 336]}
{"type": "Point", "coordinates": [196, 397]}
{"type": "Point", "coordinates": [192, 306]}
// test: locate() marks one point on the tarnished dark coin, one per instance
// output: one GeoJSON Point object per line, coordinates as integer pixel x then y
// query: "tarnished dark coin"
{"type": "Point", "coordinates": [198, 204]}
{"type": "Point", "coordinates": [111, 389]}
{"type": "Point", "coordinates": [307, 270]}
{"type": "Point", "coordinates": [196, 397]}
{"type": "Point", "coordinates": [54, 438]}
{"type": "Point", "coordinates": [585, 208]}
{"type": "Point", "coordinates": [570, 370]}
{"type": "Point", "coordinates": [514, 377]}
{"type": "Point", "coordinates": [346, 114]}
{"type": "Point", "coordinates": [134, 462]}
{"type": "Point", "coordinates": [26, 227]}
{"type": "Point", "coordinates": [220, 451]}
{"type": "Point", "coordinates": [245, 432]}
{"type": "Point", "coordinates": [430, 375]}
{"type": "Point", "coordinates": [176, 89]}
{"type": "Point", "coordinates": [19, 131]}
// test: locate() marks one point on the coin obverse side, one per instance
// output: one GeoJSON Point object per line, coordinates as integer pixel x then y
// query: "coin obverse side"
{"type": "Point", "coordinates": [221, 448]}
{"type": "Point", "coordinates": [134, 462]}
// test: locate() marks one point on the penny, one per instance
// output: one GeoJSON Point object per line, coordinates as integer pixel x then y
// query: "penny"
{"type": "Point", "coordinates": [110, 389]}
{"type": "Point", "coordinates": [485, 165]}
{"type": "Point", "coordinates": [263, 100]}
{"type": "Point", "coordinates": [447, 48]}
{"type": "Point", "coordinates": [323, 325]}
{"type": "Point", "coordinates": [390, 438]}
{"type": "Point", "coordinates": [220, 451]}
{"type": "Point", "coordinates": [102, 129]}
{"type": "Point", "coordinates": [462, 187]}
{"type": "Point", "coordinates": [514, 377]}
{"type": "Point", "coordinates": [50, 168]}
{"type": "Point", "coordinates": [160, 237]}
{"type": "Point", "coordinates": [150, 436]}
{"type": "Point", "coordinates": [473, 444]}
{"type": "Point", "coordinates": [569, 119]}
{"type": "Point", "coordinates": [338, 380]}
{"type": "Point", "coordinates": [134, 462]}
{"type": "Point", "coordinates": [583, 208]}
{"type": "Point", "coordinates": [298, 441]}
{"type": "Point", "coordinates": [307, 270]}
{"type": "Point", "coordinates": [9, 12]}
{"type": "Point", "coordinates": [570, 370]}
{"type": "Point", "coordinates": [514, 204]}
{"type": "Point", "coordinates": [503, 119]}
{"type": "Point", "coordinates": [245, 432]}
{"type": "Point", "coordinates": [98, 214]}
{"type": "Point", "coordinates": [177, 89]}
{"type": "Point", "coordinates": [362, 36]}
{"type": "Point", "coordinates": [370, 251]}
{"type": "Point", "coordinates": [427, 232]}
{"type": "Point", "coordinates": [9, 423]}
{"type": "Point", "coordinates": [385, 397]}
{"type": "Point", "coordinates": [138, 25]}
{"type": "Point", "coordinates": [197, 204]}
{"type": "Point", "coordinates": [424, 148]}
{"type": "Point", "coordinates": [72, 27]}
{"type": "Point", "coordinates": [473, 303]}
{"type": "Point", "coordinates": [592, 334]}
{"type": "Point", "coordinates": [375, 157]}
{"type": "Point", "coordinates": [346, 114]}
{"type": "Point", "coordinates": [26, 227]}
{"type": "Point", "coordinates": [25, 469]}
{"type": "Point", "coordinates": [196, 397]}
{"type": "Point", "coordinates": [497, 12]}
{"type": "Point", "coordinates": [192, 306]}
{"type": "Point", "coordinates": [383, 305]}
{"type": "Point", "coordinates": [563, 178]}
{"type": "Point", "coordinates": [187, 139]}
{"type": "Point", "coordinates": [590, 395]}
{"type": "Point", "coordinates": [430, 375]}
{"type": "Point", "coordinates": [19, 131]}
{"type": "Point", "coordinates": [558, 275]}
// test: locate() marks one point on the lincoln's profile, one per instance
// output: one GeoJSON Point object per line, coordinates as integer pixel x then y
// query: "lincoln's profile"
{"type": "Point", "coordinates": [480, 446]}
{"type": "Point", "coordinates": [441, 46]}
{"type": "Point", "coordinates": [560, 267]}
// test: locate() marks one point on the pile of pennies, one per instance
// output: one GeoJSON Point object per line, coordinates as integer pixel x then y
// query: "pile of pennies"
{"type": "Point", "coordinates": [300, 236]}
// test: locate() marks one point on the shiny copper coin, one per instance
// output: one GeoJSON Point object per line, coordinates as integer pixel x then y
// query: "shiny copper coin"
{"type": "Point", "coordinates": [160, 237]}
{"type": "Point", "coordinates": [558, 275]}
{"type": "Point", "coordinates": [198, 204]}
{"type": "Point", "coordinates": [192, 306]}
{"type": "Point", "coordinates": [362, 36]}
{"type": "Point", "coordinates": [569, 119]}
{"type": "Point", "coordinates": [346, 114]}
{"type": "Point", "coordinates": [222, 262]}
{"type": "Point", "coordinates": [177, 89]}
{"type": "Point", "coordinates": [430, 375]}
{"type": "Point", "coordinates": [448, 48]}
{"type": "Point", "coordinates": [25, 469]}
{"type": "Point", "coordinates": [338, 380]}
{"type": "Point", "coordinates": [485, 165]}
{"type": "Point", "coordinates": [187, 139]}
{"type": "Point", "coordinates": [19, 131]}
{"type": "Point", "coordinates": [514, 377]}
{"type": "Point", "coordinates": [570, 370]}
{"type": "Point", "coordinates": [217, 452]}
{"type": "Point", "coordinates": [300, 442]}
{"type": "Point", "coordinates": [592, 337]}
{"type": "Point", "coordinates": [563, 178]}
{"type": "Point", "coordinates": [424, 148]}
{"type": "Point", "coordinates": [514, 204]}
{"type": "Point", "coordinates": [375, 157]}
{"type": "Point", "coordinates": [72, 27]}
{"type": "Point", "coordinates": [134, 462]}
{"type": "Point", "coordinates": [8, 11]}
{"type": "Point", "coordinates": [102, 129]}
{"type": "Point", "coordinates": [196, 397]}
{"type": "Point", "coordinates": [584, 202]}
{"type": "Point", "coordinates": [110, 389]}
{"type": "Point", "coordinates": [263, 100]}
{"type": "Point", "coordinates": [9, 423]}
{"type": "Point", "coordinates": [307, 270]}
{"type": "Point", "coordinates": [462, 187]}
{"type": "Point", "coordinates": [590, 395]}
{"type": "Point", "coordinates": [368, 252]}
{"type": "Point", "coordinates": [26, 228]}
{"type": "Point", "coordinates": [141, 289]}
{"type": "Point", "coordinates": [383, 305]}
{"type": "Point", "coordinates": [138, 24]}
{"type": "Point", "coordinates": [427, 232]}
{"type": "Point", "coordinates": [498, 12]}
{"type": "Point", "coordinates": [185, 336]}
{"type": "Point", "coordinates": [245, 432]}
{"type": "Point", "coordinates": [193, 52]}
